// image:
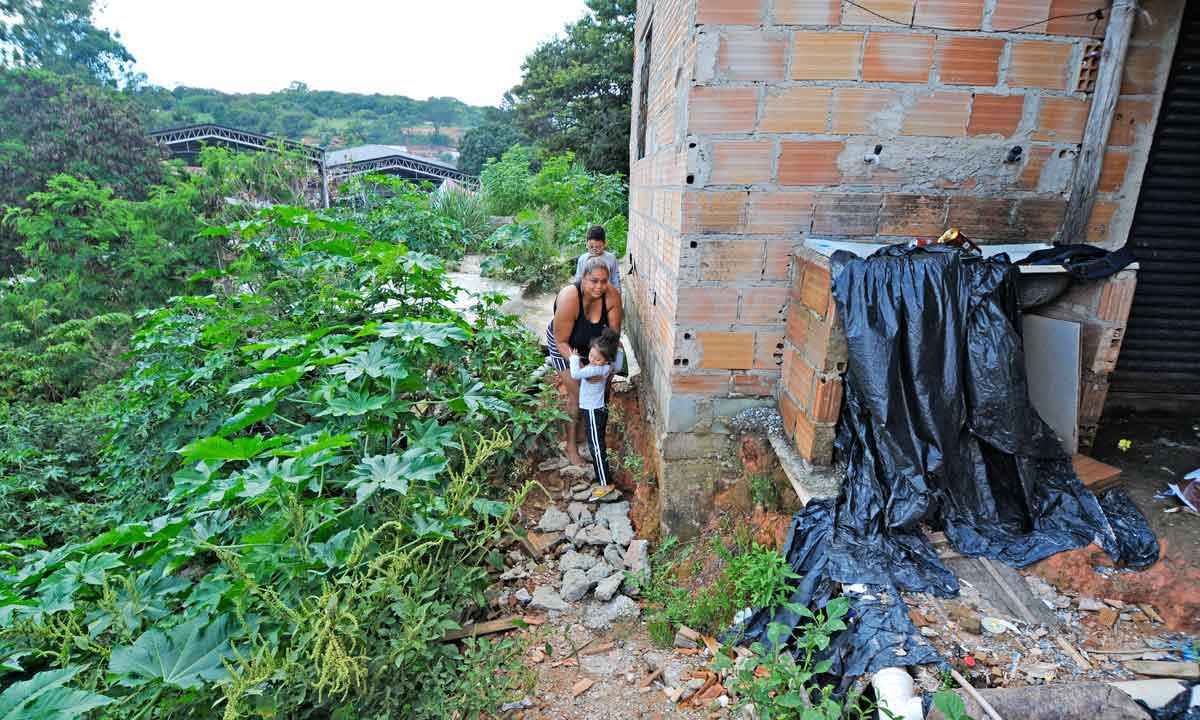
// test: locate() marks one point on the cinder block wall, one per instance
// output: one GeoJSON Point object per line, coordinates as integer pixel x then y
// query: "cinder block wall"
{"type": "Point", "coordinates": [770, 121]}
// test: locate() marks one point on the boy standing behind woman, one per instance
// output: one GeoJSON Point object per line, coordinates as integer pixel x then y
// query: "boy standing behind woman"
{"type": "Point", "coordinates": [597, 244]}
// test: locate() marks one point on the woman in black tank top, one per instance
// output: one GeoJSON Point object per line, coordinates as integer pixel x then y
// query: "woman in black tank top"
{"type": "Point", "coordinates": [581, 312]}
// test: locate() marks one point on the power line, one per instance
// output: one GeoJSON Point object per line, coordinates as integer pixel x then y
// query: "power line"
{"type": "Point", "coordinates": [1097, 14]}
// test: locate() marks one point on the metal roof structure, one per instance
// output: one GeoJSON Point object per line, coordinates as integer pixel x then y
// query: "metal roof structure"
{"type": "Point", "coordinates": [343, 164]}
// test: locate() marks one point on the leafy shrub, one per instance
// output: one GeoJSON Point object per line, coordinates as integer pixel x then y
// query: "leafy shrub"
{"type": "Point", "coordinates": [466, 208]}
{"type": "Point", "coordinates": [396, 210]}
{"type": "Point", "coordinates": [761, 576]}
{"type": "Point", "coordinates": [506, 182]}
{"type": "Point", "coordinates": [332, 443]}
{"type": "Point", "coordinates": [523, 252]}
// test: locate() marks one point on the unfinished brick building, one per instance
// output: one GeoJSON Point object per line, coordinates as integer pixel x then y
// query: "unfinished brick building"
{"type": "Point", "coordinates": [760, 124]}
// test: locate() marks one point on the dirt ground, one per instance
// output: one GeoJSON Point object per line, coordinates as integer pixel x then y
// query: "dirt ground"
{"type": "Point", "coordinates": [1162, 450]}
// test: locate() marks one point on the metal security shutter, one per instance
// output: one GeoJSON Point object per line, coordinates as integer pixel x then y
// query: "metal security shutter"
{"type": "Point", "coordinates": [1161, 350]}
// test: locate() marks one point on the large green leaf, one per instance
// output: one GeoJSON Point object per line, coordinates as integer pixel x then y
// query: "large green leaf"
{"type": "Point", "coordinates": [46, 697]}
{"type": "Point", "coordinates": [188, 657]}
{"type": "Point", "coordinates": [378, 472]}
{"type": "Point", "coordinates": [218, 448]}
{"type": "Point", "coordinates": [436, 334]}
{"type": "Point", "coordinates": [353, 404]}
{"type": "Point", "coordinates": [255, 410]}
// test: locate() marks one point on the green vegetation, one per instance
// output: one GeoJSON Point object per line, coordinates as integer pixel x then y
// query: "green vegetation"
{"type": "Point", "coordinates": [575, 90]}
{"type": "Point", "coordinates": [293, 490]}
{"type": "Point", "coordinates": [488, 140]}
{"type": "Point", "coordinates": [553, 200]}
{"type": "Point", "coordinates": [319, 116]}
{"type": "Point", "coordinates": [58, 36]}
{"type": "Point", "coordinates": [747, 575]}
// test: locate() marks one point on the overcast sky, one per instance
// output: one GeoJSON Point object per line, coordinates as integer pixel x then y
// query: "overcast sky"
{"type": "Point", "coordinates": [468, 49]}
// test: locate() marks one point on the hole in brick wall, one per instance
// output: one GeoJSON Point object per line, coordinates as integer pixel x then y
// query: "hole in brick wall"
{"type": "Point", "coordinates": [1062, 153]}
{"type": "Point", "coordinates": [687, 336]}
{"type": "Point", "coordinates": [1089, 67]}
{"type": "Point", "coordinates": [778, 346]}
{"type": "Point", "coordinates": [840, 367]}
{"type": "Point", "coordinates": [878, 149]}
{"type": "Point", "coordinates": [653, 297]}
{"type": "Point", "coordinates": [678, 362]}
{"type": "Point", "coordinates": [693, 244]}
{"type": "Point", "coordinates": [692, 145]}
{"type": "Point", "coordinates": [691, 179]}
{"type": "Point", "coordinates": [1014, 154]}
{"type": "Point", "coordinates": [685, 362]}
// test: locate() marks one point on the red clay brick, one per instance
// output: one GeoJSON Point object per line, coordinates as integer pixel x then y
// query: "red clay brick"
{"type": "Point", "coordinates": [913, 215]}
{"type": "Point", "coordinates": [1035, 160]}
{"type": "Point", "coordinates": [854, 108]}
{"type": "Point", "coordinates": [815, 289]}
{"type": "Point", "coordinates": [707, 306]}
{"type": "Point", "coordinates": [1039, 219]}
{"type": "Point", "coordinates": [1078, 26]}
{"type": "Point", "coordinates": [826, 55]}
{"type": "Point", "coordinates": [1129, 116]}
{"type": "Point", "coordinates": [779, 257]}
{"type": "Point", "coordinates": [1115, 299]}
{"type": "Point", "coordinates": [996, 114]}
{"type": "Point", "coordinates": [729, 12]}
{"type": "Point", "coordinates": [726, 350]}
{"type": "Point", "coordinates": [969, 60]}
{"type": "Point", "coordinates": [798, 319]}
{"type": "Point", "coordinates": [697, 384]}
{"type": "Point", "coordinates": [797, 378]}
{"type": "Point", "coordinates": [751, 55]}
{"type": "Point", "coordinates": [808, 12]}
{"type": "Point", "coordinates": [986, 220]}
{"type": "Point", "coordinates": [846, 214]}
{"type": "Point", "coordinates": [893, 9]}
{"type": "Point", "coordinates": [1015, 13]}
{"type": "Point", "coordinates": [898, 57]}
{"type": "Point", "coordinates": [721, 109]}
{"type": "Point", "coordinates": [763, 305]}
{"type": "Point", "coordinates": [1040, 64]}
{"type": "Point", "coordinates": [1100, 222]}
{"type": "Point", "coordinates": [827, 399]}
{"type": "Point", "coordinates": [768, 350]}
{"type": "Point", "coordinates": [762, 385]}
{"type": "Point", "coordinates": [1061, 119]}
{"type": "Point", "coordinates": [813, 442]}
{"type": "Point", "coordinates": [788, 412]}
{"type": "Point", "coordinates": [809, 162]}
{"type": "Point", "coordinates": [741, 162]}
{"type": "Point", "coordinates": [957, 14]}
{"type": "Point", "coordinates": [939, 114]}
{"type": "Point", "coordinates": [795, 110]}
{"type": "Point", "coordinates": [780, 213]}
{"type": "Point", "coordinates": [1112, 171]}
{"type": "Point", "coordinates": [731, 260]}
{"type": "Point", "coordinates": [714, 212]}
{"type": "Point", "coordinates": [1141, 71]}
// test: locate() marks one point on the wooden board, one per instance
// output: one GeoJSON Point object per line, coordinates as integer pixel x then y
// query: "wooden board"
{"type": "Point", "coordinates": [1095, 475]}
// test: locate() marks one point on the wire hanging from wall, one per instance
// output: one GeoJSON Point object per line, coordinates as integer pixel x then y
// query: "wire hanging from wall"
{"type": "Point", "coordinates": [1097, 15]}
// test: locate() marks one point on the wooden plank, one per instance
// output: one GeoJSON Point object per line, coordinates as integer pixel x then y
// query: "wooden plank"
{"type": "Point", "coordinates": [1012, 596]}
{"type": "Point", "coordinates": [1077, 656]}
{"type": "Point", "coordinates": [1095, 475]}
{"type": "Point", "coordinates": [1164, 668]}
{"type": "Point", "coordinates": [485, 628]}
{"type": "Point", "coordinates": [1095, 134]}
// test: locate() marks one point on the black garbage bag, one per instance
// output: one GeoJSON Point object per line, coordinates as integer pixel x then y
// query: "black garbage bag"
{"type": "Point", "coordinates": [1138, 545]}
{"type": "Point", "coordinates": [1180, 707]}
{"type": "Point", "coordinates": [936, 432]}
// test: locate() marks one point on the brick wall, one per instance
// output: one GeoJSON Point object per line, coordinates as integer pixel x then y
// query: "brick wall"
{"type": "Point", "coordinates": [787, 119]}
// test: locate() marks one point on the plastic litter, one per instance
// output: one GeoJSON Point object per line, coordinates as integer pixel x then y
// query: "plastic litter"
{"type": "Point", "coordinates": [936, 431]}
{"type": "Point", "coordinates": [997, 626]}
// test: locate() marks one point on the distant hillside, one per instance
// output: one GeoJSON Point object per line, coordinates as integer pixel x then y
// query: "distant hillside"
{"type": "Point", "coordinates": [327, 118]}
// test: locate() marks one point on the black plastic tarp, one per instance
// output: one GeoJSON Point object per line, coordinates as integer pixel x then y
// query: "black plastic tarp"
{"type": "Point", "coordinates": [937, 432]}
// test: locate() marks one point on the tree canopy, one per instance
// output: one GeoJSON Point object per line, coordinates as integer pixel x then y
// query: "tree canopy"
{"type": "Point", "coordinates": [489, 140]}
{"type": "Point", "coordinates": [58, 36]}
{"type": "Point", "coordinates": [576, 89]}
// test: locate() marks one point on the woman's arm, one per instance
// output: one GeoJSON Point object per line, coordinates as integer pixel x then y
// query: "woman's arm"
{"type": "Point", "coordinates": [566, 310]}
{"type": "Point", "coordinates": [616, 311]}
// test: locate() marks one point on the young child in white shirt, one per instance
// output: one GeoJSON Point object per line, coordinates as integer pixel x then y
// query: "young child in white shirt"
{"type": "Point", "coordinates": [604, 358]}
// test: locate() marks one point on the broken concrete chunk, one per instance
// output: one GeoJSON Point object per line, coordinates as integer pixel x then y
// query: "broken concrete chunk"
{"type": "Point", "coordinates": [599, 571]}
{"type": "Point", "coordinates": [585, 517]}
{"type": "Point", "coordinates": [614, 555]}
{"type": "Point", "coordinates": [594, 535]}
{"type": "Point", "coordinates": [574, 509]}
{"type": "Point", "coordinates": [573, 472]}
{"type": "Point", "coordinates": [637, 557]}
{"type": "Point", "coordinates": [553, 520]}
{"type": "Point", "coordinates": [607, 588]}
{"type": "Point", "coordinates": [1090, 604]}
{"type": "Point", "coordinates": [614, 509]}
{"type": "Point", "coordinates": [600, 616]}
{"type": "Point", "coordinates": [522, 595]}
{"type": "Point", "coordinates": [554, 463]}
{"type": "Point", "coordinates": [544, 598]}
{"type": "Point", "coordinates": [572, 560]}
{"type": "Point", "coordinates": [575, 585]}
{"type": "Point", "coordinates": [621, 529]}
{"type": "Point", "coordinates": [686, 638]}
{"type": "Point", "coordinates": [570, 531]}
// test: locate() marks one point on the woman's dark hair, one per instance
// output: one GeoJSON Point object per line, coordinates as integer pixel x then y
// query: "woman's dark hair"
{"type": "Point", "coordinates": [608, 343]}
{"type": "Point", "coordinates": [596, 232]}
